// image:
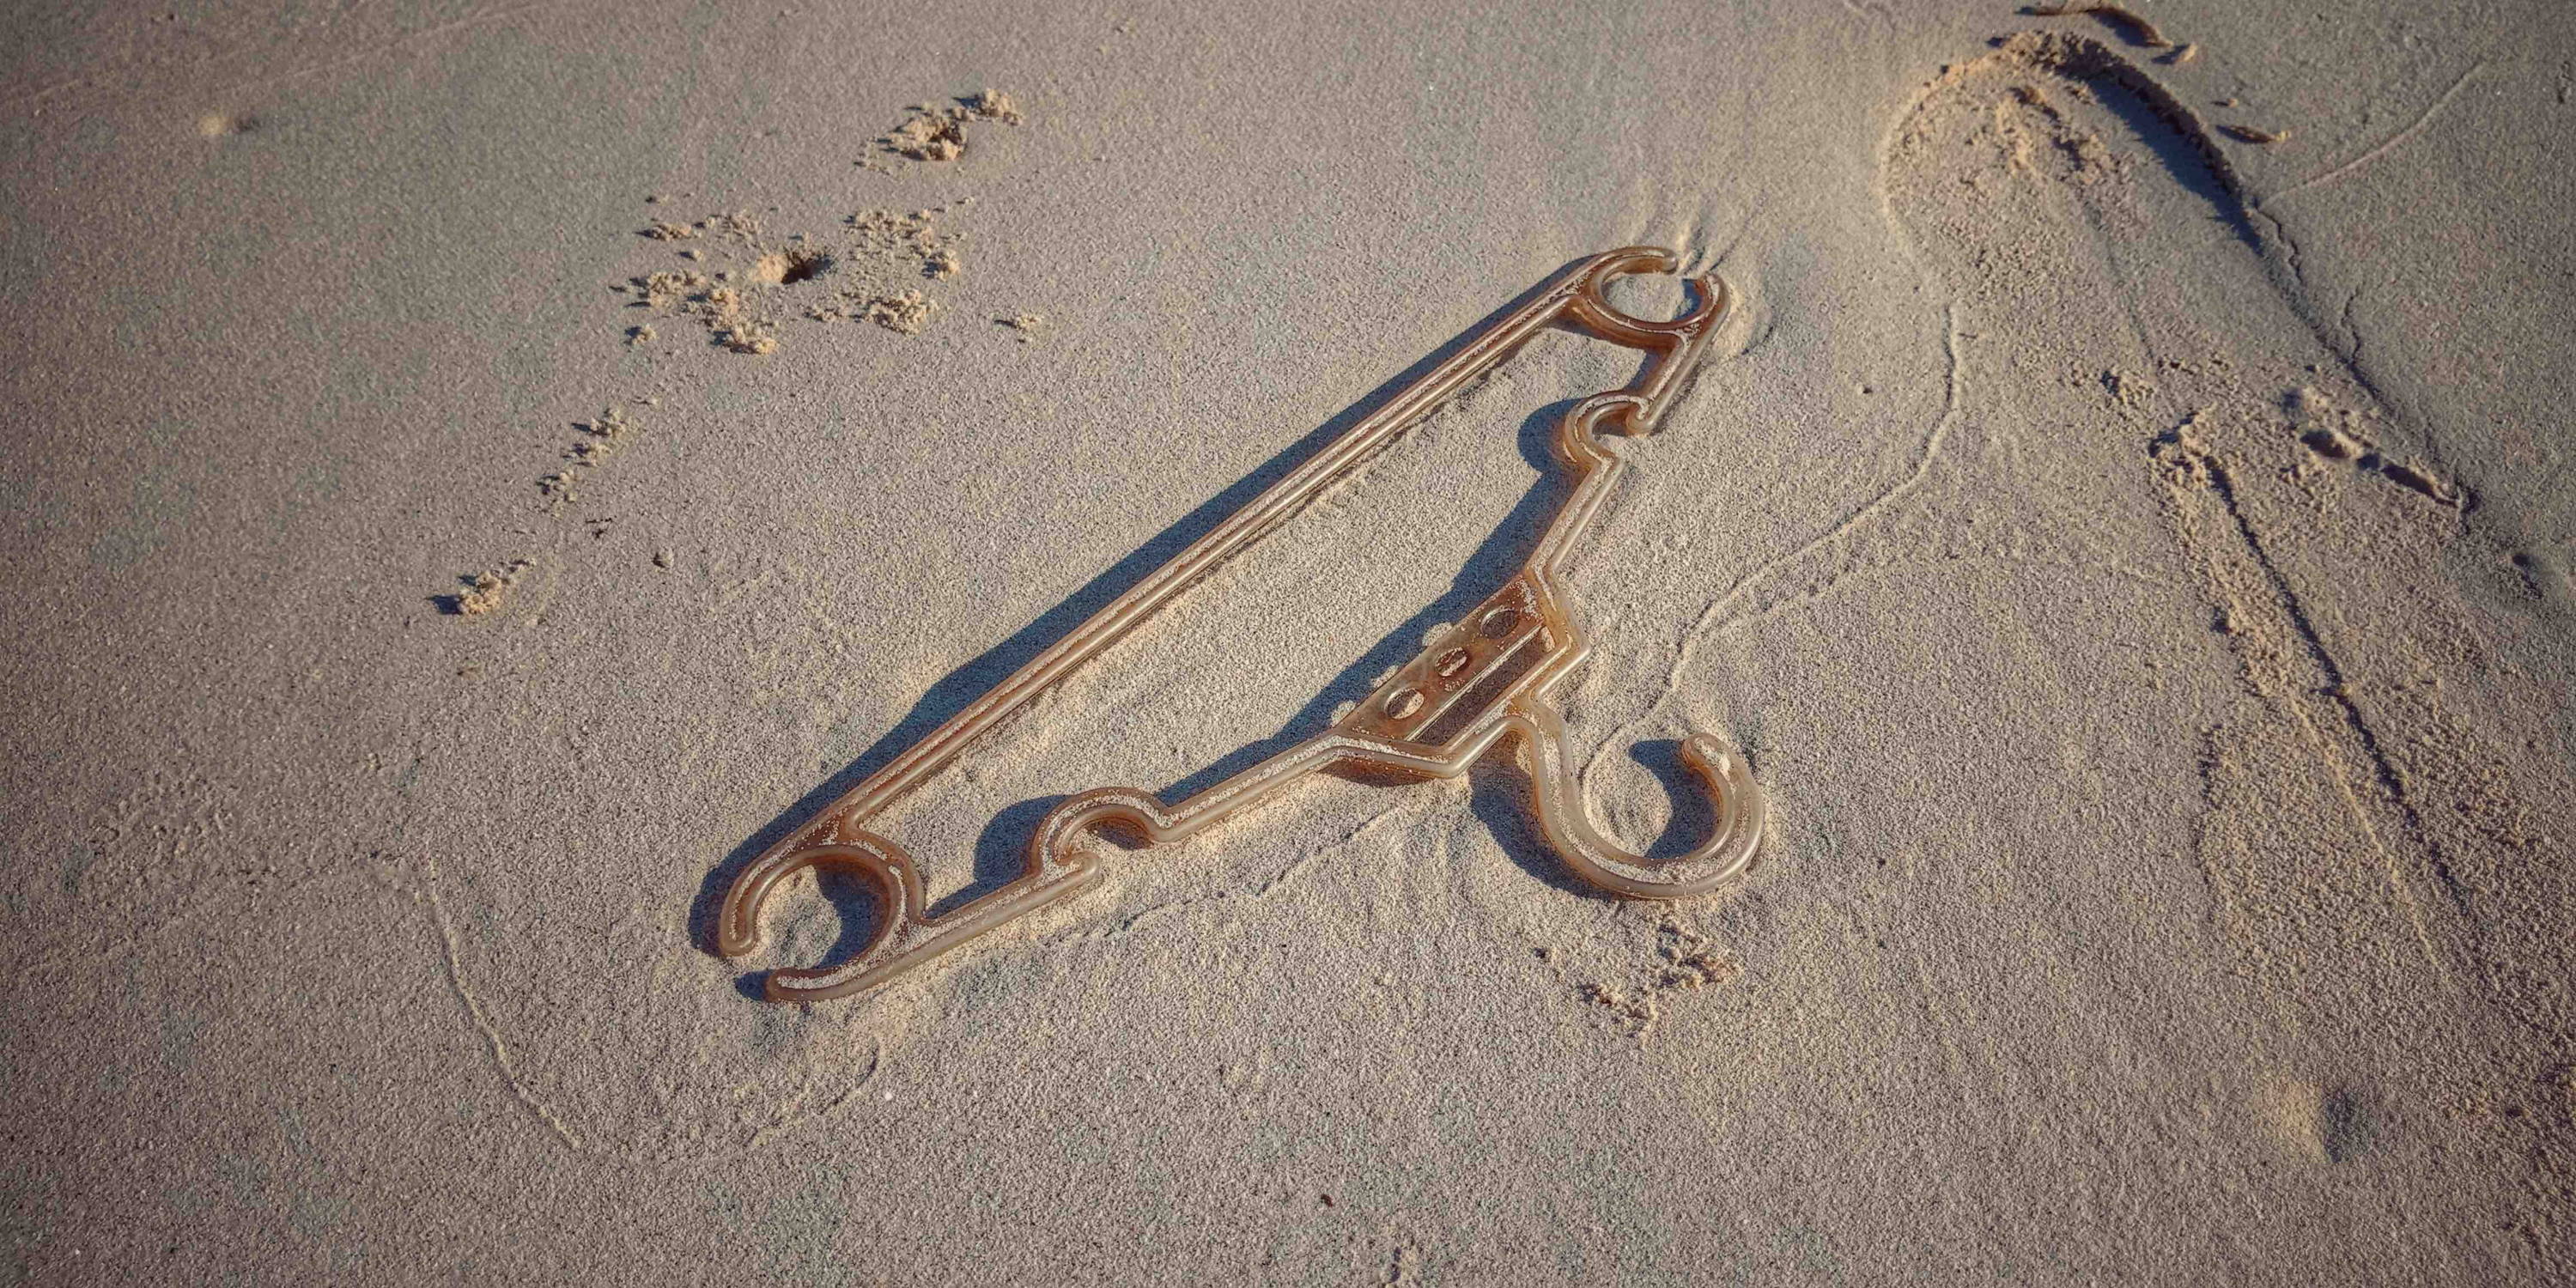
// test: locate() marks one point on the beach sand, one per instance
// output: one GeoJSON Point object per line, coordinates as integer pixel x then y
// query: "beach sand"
{"type": "Point", "coordinates": [476, 475]}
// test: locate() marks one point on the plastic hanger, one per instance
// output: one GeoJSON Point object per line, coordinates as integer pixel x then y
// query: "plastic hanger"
{"type": "Point", "coordinates": [1488, 680]}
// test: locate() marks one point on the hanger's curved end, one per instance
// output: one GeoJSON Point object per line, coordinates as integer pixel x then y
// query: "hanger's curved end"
{"type": "Point", "coordinates": [1742, 810]}
{"type": "Point", "coordinates": [1592, 300]}
{"type": "Point", "coordinates": [898, 886]}
{"type": "Point", "coordinates": [1735, 800]}
{"type": "Point", "coordinates": [906, 935]}
{"type": "Point", "coordinates": [1679, 341]}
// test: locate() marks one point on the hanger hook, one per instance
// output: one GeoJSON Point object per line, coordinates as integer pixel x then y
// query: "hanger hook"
{"type": "Point", "coordinates": [1562, 815]}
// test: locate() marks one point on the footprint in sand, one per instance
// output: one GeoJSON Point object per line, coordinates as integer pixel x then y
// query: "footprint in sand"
{"type": "Point", "coordinates": [2232, 609]}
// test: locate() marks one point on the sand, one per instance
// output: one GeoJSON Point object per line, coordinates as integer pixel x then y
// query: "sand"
{"type": "Point", "coordinates": [2127, 524]}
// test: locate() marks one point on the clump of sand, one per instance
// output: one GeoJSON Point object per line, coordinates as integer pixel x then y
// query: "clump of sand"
{"type": "Point", "coordinates": [2340, 434]}
{"type": "Point", "coordinates": [928, 136]}
{"type": "Point", "coordinates": [484, 592]}
{"type": "Point", "coordinates": [608, 427]}
{"type": "Point", "coordinates": [737, 225]}
{"type": "Point", "coordinates": [718, 303]}
{"type": "Point", "coordinates": [669, 292]}
{"type": "Point", "coordinates": [886, 238]}
{"type": "Point", "coordinates": [740, 307]}
{"type": "Point", "coordinates": [934, 133]}
{"type": "Point", "coordinates": [752, 337]}
{"type": "Point", "coordinates": [2253, 133]}
{"type": "Point", "coordinates": [994, 105]}
{"type": "Point", "coordinates": [903, 314]}
{"type": "Point", "coordinates": [1684, 960]}
{"type": "Point", "coordinates": [796, 263]}
{"type": "Point", "coordinates": [600, 437]}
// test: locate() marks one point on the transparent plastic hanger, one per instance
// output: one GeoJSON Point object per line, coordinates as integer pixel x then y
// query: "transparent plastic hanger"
{"type": "Point", "coordinates": [1488, 679]}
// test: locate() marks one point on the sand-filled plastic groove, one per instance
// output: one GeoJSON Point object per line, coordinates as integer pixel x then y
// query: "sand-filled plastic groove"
{"type": "Point", "coordinates": [1488, 680]}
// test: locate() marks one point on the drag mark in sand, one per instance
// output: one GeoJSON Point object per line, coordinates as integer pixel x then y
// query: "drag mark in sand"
{"type": "Point", "coordinates": [422, 889]}
{"type": "Point", "coordinates": [1717, 615]}
{"type": "Point", "coordinates": [2385, 146]}
{"type": "Point", "coordinates": [1711, 617]}
{"type": "Point", "coordinates": [760, 1137]}
{"type": "Point", "coordinates": [496, 1048]}
{"type": "Point", "coordinates": [1842, 577]}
